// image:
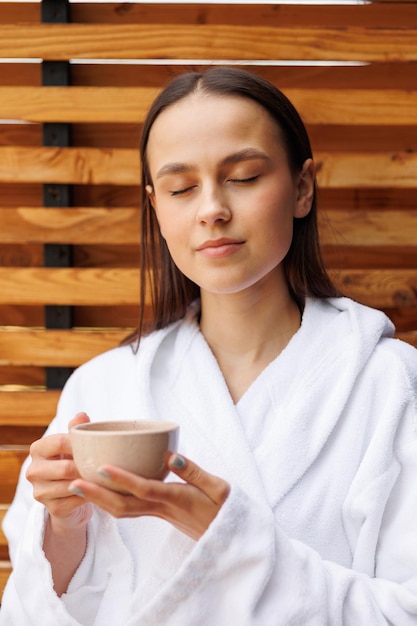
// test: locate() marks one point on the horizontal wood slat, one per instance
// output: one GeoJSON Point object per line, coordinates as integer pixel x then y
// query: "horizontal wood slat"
{"type": "Point", "coordinates": [368, 228]}
{"type": "Point", "coordinates": [27, 408]}
{"type": "Point", "coordinates": [79, 286]}
{"type": "Point", "coordinates": [82, 225]}
{"type": "Point", "coordinates": [130, 104]}
{"type": "Point", "coordinates": [217, 42]}
{"type": "Point", "coordinates": [3, 541]}
{"type": "Point", "coordinates": [370, 169]}
{"type": "Point", "coordinates": [379, 288]}
{"type": "Point", "coordinates": [69, 165]}
{"type": "Point", "coordinates": [101, 166]}
{"type": "Point", "coordinates": [400, 13]}
{"type": "Point", "coordinates": [60, 348]}
{"type": "Point", "coordinates": [11, 460]}
{"type": "Point", "coordinates": [5, 571]}
{"type": "Point", "coordinates": [70, 225]}
{"type": "Point", "coordinates": [410, 337]}
{"type": "Point", "coordinates": [69, 286]}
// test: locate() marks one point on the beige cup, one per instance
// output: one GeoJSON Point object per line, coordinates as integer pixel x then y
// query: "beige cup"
{"type": "Point", "coordinates": [139, 446]}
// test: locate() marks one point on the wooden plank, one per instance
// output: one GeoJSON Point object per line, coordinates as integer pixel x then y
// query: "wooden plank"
{"type": "Point", "coordinates": [69, 286]}
{"type": "Point", "coordinates": [143, 13]}
{"type": "Point", "coordinates": [259, 13]}
{"type": "Point", "coordinates": [69, 165]}
{"type": "Point", "coordinates": [11, 459]}
{"type": "Point", "coordinates": [88, 316]}
{"type": "Point", "coordinates": [21, 194]}
{"type": "Point", "coordinates": [323, 136]}
{"type": "Point", "coordinates": [144, 74]}
{"type": "Point", "coordinates": [22, 375]}
{"type": "Point", "coordinates": [217, 42]}
{"type": "Point", "coordinates": [368, 228]}
{"type": "Point", "coordinates": [27, 408]}
{"type": "Point", "coordinates": [81, 225]}
{"type": "Point", "coordinates": [13, 434]}
{"type": "Point", "coordinates": [366, 169]}
{"type": "Point", "coordinates": [5, 571]}
{"type": "Point", "coordinates": [410, 337]}
{"type": "Point", "coordinates": [379, 288]}
{"type": "Point", "coordinates": [130, 104]}
{"type": "Point", "coordinates": [19, 12]}
{"type": "Point", "coordinates": [4, 553]}
{"type": "Point", "coordinates": [121, 167]}
{"type": "Point", "coordinates": [60, 348]}
{"type": "Point", "coordinates": [367, 199]}
{"type": "Point", "coordinates": [71, 225]}
{"type": "Point", "coordinates": [369, 258]}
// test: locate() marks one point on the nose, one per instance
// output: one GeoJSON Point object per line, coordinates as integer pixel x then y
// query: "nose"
{"type": "Point", "coordinates": [213, 207]}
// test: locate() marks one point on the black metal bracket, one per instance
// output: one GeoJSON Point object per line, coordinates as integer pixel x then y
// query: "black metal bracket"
{"type": "Point", "coordinates": [57, 74]}
{"type": "Point", "coordinates": [55, 11]}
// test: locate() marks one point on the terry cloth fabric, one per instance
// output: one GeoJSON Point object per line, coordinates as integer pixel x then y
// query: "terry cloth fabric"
{"type": "Point", "coordinates": [321, 455]}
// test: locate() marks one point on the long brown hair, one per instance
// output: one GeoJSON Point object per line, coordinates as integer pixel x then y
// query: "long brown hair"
{"type": "Point", "coordinates": [171, 292]}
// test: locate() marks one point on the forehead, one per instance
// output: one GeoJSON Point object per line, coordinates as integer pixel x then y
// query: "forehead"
{"type": "Point", "coordinates": [212, 124]}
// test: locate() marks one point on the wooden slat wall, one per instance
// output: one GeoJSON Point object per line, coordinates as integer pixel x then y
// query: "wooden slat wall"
{"type": "Point", "coordinates": [362, 118]}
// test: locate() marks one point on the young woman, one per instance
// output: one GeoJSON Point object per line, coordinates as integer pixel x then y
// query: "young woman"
{"type": "Point", "coordinates": [292, 500]}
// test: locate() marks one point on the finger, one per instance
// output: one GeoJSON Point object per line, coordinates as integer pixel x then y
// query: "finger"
{"type": "Point", "coordinates": [115, 503]}
{"type": "Point", "coordinates": [80, 418]}
{"type": "Point", "coordinates": [45, 471]}
{"type": "Point", "coordinates": [143, 488]}
{"type": "Point", "coordinates": [214, 487]}
{"type": "Point", "coordinates": [51, 447]}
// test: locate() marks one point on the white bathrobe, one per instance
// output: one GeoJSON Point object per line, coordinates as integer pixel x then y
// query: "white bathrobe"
{"type": "Point", "coordinates": [320, 526]}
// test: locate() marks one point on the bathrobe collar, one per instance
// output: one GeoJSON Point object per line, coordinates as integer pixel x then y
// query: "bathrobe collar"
{"type": "Point", "coordinates": [302, 394]}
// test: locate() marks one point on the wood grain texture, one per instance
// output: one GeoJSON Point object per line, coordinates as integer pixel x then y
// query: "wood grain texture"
{"type": "Point", "coordinates": [379, 288]}
{"type": "Point", "coordinates": [27, 408]}
{"type": "Point", "coordinates": [364, 228]}
{"type": "Point", "coordinates": [83, 225]}
{"type": "Point", "coordinates": [217, 42]}
{"type": "Point", "coordinates": [121, 167]}
{"type": "Point", "coordinates": [59, 348]}
{"type": "Point", "coordinates": [394, 13]}
{"type": "Point", "coordinates": [4, 554]}
{"type": "Point", "coordinates": [369, 107]}
{"type": "Point", "coordinates": [69, 165]}
{"type": "Point", "coordinates": [69, 286]}
{"type": "Point", "coordinates": [86, 286]}
{"type": "Point", "coordinates": [74, 225]}
{"type": "Point", "coordinates": [11, 459]}
{"type": "Point", "coordinates": [5, 571]}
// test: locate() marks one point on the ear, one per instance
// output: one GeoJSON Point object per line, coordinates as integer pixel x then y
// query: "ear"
{"type": "Point", "coordinates": [305, 189]}
{"type": "Point", "coordinates": [151, 195]}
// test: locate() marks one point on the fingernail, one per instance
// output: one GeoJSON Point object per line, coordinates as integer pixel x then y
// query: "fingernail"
{"type": "Point", "coordinates": [103, 472]}
{"type": "Point", "coordinates": [177, 462]}
{"type": "Point", "coordinates": [76, 491]}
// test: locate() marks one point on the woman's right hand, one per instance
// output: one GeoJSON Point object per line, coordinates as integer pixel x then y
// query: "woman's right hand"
{"type": "Point", "coordinates": [51, 471]}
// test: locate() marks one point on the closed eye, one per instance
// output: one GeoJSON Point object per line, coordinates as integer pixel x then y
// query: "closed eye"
{"type": "Point", "coordinates": [179, 192]}
{"type": "Point", "coordinates": [244, 180]}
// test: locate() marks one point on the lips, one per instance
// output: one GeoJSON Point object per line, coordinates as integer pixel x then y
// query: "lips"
{"type": "Point", "coordinates": [217, 248]}
{"type": "Point", "coordinates": [218, 243]}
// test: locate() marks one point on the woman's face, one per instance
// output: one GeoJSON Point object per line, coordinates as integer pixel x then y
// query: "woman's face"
{"type": "Point", "coordinates": [223, 192]}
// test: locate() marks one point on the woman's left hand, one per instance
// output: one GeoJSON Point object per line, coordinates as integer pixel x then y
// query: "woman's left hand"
{"type": "Point", "coordinates": [189, 506]}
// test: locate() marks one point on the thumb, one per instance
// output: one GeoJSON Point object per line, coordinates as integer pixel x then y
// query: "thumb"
{"type": "Point", "coordinates": [80, 418]}
{"type": "Point", "coordinates": [214, 487]}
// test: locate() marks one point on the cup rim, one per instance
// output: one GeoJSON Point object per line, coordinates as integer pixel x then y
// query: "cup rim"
{"type": "Point", "coordinates": [153, 426]}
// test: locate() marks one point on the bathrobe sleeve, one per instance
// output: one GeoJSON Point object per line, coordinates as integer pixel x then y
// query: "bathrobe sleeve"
{"type": "Point", "coordinates": [29, 598]}
{"type": "Point", "coordinates": [245, 570]}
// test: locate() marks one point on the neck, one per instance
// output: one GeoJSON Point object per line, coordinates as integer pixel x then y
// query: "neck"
{"type": "Point", "coordinates": [246, 333]}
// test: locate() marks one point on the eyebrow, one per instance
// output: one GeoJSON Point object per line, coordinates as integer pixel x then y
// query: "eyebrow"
{"type": "Point", "coordinates": [247, 154]}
